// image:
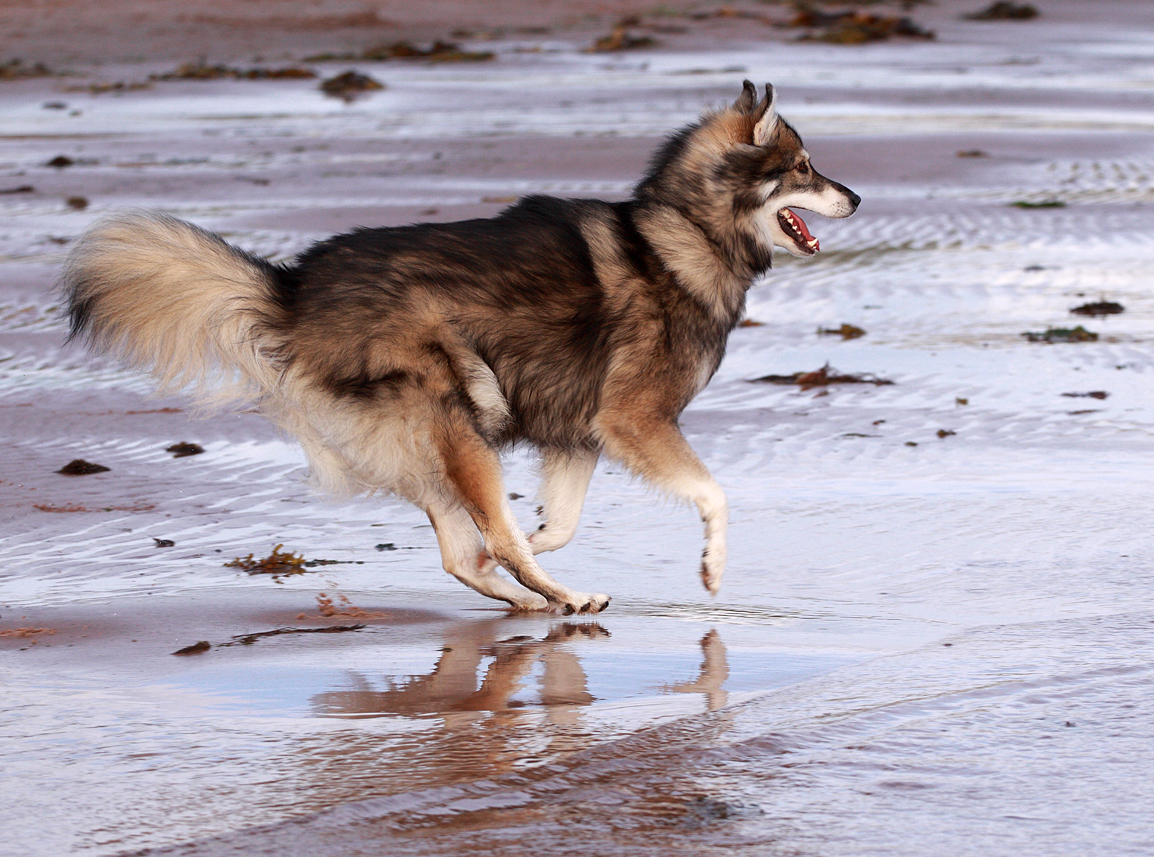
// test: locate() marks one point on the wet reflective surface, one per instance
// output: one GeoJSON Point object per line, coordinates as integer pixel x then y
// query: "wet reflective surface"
{"type": "Point", "coordinates": [154, 748]}
{"type": "Point", "coordinates": [935, 635]}
{"type": "Point", "coordinates": [525, 732]}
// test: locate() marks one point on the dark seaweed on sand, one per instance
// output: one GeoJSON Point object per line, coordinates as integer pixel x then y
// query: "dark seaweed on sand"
{"type": "Point", "coordinates": [823, 377]}
{"type": "Point", "coordinates": [202, 646]}
{"type": "Point", "coordinates": [280, 563]}
{"type": "Point", "coordinates": [852, 27]}
{"type": "Point", "coordinates": [80, 467]}
{"type": "Point", "coordinates": [183, 450]}
{"type": "Point", "coordinates": [845, 331]}
{"type": "Point", "coordinates": [277, 562]}
{"type": "Point", "coordinates": [15, 69]}
{"type": "Point", "coordinates": [1063, 334]}
{"type": "Point", "coordinates": [440, 51]}
{"type": "Point", "coordinates": [1003, 11]}
{"type": "Point", "coordinates": [1093, 394]}
{"type": "Point", "coordinates": [350, 85]}
{"type": "Point", "coordinates": [1098, 308]}
{"type": "Point", "coordinates": [249, 639]}
{"type": "Point", "coordinates": [619, 39]}
{"type": "Point", "coordinates": [200, 71]}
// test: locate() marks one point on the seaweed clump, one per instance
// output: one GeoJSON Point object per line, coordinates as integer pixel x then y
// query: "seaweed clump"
{"type": "Point", "coordinates": [846, 331]}
{"type": "Point", "coordinates": [620, 39]}
{"type": "Point", "coordinates": [80, 467]}
{"type": "Point", "coordinates": [823, 377]}
{"type": "Point", "coordinates": [1063, 334]}
{"type": "Point", "coordinates": [350, 85]}
{"type": "Point", "coordinates": [1098, 308]}
{"type": "Point", "coordinates": [15, 69]}
{"type": "Point", "coordinates": [852, 27]}
{"type": "Point", "coordinates": [1004, 11]}
{"type": "Point", "coordinates": [202, 71]}
{"type": "Point", "coordinates": [439, 51]}
{"type": "Point", "coordinates": [184, 450]}
{"type": "Point", "coordinates": [276, 563]}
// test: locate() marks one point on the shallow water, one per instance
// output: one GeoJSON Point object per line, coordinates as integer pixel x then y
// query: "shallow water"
{"type": "Point", "coordinates": [924, 644]}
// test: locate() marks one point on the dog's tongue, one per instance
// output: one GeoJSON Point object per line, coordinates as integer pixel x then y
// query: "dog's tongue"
{"type": "Point", "coordinates": [799, 224]}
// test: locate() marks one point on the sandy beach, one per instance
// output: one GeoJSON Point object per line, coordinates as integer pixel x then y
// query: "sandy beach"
{"type": "Point", "coordinates": [935, 632]}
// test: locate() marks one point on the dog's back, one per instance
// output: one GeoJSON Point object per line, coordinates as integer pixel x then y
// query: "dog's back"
{"type": "Point", "coordinates": [524, 293]}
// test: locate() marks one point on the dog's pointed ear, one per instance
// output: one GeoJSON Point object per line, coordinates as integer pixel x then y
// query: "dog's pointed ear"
{"type": "Point", "coordinates": [766, 112]}
{"type": "Point", "coordinates": [748, 98]}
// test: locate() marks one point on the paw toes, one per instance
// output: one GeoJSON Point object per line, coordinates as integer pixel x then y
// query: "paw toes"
{"type": "Point", "coordinates": [711, 571]}
{"type": "Point", "coordinates": [596, 604]}
{"type": "Point", "coordinates": [712, 585]}
{"type": "Point", "coordinates": [585, 604]}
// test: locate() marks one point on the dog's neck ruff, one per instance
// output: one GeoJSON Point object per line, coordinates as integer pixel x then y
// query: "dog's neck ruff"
{"type": "Point", "coordinates": [699, 264]}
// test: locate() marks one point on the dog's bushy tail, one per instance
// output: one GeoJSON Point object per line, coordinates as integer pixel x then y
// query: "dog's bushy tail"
{"type": "Point", "coordinates": [177, 301]}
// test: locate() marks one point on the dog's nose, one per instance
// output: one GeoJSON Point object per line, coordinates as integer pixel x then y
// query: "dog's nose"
{"type": "Point", "coordinates": [854, 200]}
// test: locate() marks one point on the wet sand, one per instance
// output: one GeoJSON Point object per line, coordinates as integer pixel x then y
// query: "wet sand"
{"type": "Point", "coordinates": [934, 635]}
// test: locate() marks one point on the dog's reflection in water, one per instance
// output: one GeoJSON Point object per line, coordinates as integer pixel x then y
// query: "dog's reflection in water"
{"type": "Point", "coordinates": [456, 685]}
{"type": "Point", "coordinates": [714, 672]}
{"type": "Point", "coordinates": [493, 703]}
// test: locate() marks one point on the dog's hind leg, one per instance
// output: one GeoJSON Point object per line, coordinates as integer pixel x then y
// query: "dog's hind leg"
{"type": "Point", "coordinates": [473, 473]}
{"type": "Point", "coordinates": [463, 556]}
{"type": "Point", "coordinates": [565, 480]}
{"type": "Point", "coordinates": [655, 450]}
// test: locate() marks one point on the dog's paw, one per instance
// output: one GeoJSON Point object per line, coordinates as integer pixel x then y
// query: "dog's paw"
{"type": "Point", "coordinates": [581, 603]}
{"type": "Point", "coordinates": [712, 568]}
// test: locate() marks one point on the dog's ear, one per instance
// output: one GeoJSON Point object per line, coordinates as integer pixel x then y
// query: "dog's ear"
{"type": "Point", "coordinates": [748, 98]}
{"type": "Point", "coordinates": [766, 112]}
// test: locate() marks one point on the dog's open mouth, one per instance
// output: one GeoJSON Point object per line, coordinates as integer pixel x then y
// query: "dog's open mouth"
{"type": "Point", "coordinates": [795, 228]}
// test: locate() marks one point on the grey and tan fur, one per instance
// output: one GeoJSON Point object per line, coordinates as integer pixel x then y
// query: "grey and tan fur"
{"type": "Point", "coordinates": [404, 359]}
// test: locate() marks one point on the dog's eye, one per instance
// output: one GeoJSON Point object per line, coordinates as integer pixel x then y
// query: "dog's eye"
{"type": "Point", "coordinates": [803, 168]}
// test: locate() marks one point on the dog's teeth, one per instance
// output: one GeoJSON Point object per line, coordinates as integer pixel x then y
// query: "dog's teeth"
{"type": "Point", "coordinates": [796, 226]}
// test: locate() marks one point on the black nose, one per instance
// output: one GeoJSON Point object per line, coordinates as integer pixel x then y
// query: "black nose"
{"type": "Point", "coordinates": [854, 199]}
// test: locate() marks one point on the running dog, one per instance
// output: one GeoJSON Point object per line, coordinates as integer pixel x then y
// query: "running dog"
{"type": "Point", "coordinates": [404, 359]}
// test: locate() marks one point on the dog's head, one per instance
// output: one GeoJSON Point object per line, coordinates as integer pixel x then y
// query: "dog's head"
{"type": "Point", "coordinates": [740, 173]}
{"type": "Point", "coordinates": [777, 166]}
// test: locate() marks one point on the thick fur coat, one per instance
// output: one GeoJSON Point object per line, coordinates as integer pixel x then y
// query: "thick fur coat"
{"type": "Point", "coordinates": [404, 359]}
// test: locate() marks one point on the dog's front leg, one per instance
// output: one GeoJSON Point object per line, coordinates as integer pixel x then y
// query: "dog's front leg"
{"type": "Point", "coordinates": [655, 450]}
